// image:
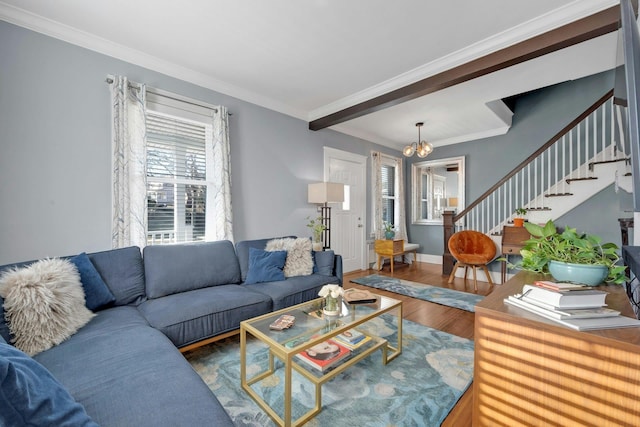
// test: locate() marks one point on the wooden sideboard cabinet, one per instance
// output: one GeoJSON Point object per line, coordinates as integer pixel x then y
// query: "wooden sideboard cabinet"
{"type": "Point", "coordinates": [530, 371]}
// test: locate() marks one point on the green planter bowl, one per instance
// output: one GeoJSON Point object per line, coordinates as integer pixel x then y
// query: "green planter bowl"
{"type": "Point", "coordinates": [586, 274]}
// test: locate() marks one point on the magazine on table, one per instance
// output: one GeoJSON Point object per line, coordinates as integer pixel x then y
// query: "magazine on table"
{"type": "Point", "coordinates": [324, 356]}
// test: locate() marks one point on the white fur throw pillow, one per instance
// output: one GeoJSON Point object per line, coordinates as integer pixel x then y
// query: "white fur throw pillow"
{"type": "Point", "coordinates": [43, 304]}
{"type": "Point", "coordinates": [299, 260]}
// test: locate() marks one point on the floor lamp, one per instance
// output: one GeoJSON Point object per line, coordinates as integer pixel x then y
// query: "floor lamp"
{"type": "Point", "coordinates": [325, 193]}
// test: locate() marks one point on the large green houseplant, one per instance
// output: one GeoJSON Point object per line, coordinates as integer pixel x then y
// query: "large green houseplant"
{"type": "Point", "coordinates": [548, 245]}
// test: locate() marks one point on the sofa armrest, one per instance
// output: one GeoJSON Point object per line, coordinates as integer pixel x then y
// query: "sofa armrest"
{"type": "Point", "coordinates": [337, 268]}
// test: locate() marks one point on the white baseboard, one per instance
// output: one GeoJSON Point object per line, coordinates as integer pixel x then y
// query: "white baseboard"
{"type": "Point", "coordinates": [496, 276]}
{"type": "Point", "coordinates": [432, 259]}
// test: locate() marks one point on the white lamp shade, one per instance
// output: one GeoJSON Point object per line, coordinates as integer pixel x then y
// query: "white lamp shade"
{"type": "Point", "coordinates": [326, 192]}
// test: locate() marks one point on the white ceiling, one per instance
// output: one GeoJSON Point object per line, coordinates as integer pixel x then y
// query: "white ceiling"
{"type": "Point", "coordinates": [311, 58]}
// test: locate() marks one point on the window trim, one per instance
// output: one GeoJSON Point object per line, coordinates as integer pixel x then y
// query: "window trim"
{"type": "Point", "coordinates": [395, 162]}
{"type": "Point", "coordinates": [416, 187]}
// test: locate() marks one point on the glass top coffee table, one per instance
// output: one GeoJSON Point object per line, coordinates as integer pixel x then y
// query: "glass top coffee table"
{"type": "Point", "coordinates": [312, 333]}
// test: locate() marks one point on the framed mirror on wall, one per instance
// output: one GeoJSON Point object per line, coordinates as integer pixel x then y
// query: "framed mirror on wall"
{"type": "Point", "coordinates": [437, 185]}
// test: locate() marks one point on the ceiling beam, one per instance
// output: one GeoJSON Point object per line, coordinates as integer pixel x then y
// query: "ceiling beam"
{"type": "Point", "coordinates": [596, 25]}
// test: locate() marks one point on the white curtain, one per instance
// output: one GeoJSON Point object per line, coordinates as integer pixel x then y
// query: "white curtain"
{"type": "Point", "coordinates": [401, 229]}
{"type": "Point", "coordinates": [219, 213]}
{"type": "Point", "coordinates": [377, 195]}
{"type": "Point", "coordinates": [129, 186]}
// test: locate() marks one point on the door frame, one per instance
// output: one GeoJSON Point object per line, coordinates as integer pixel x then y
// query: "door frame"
{"type": "Point", "coordinates": [328, 153]}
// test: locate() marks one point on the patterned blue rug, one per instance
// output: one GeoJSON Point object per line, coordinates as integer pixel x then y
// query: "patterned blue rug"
{"type": "Point", "coordinates": [418, 388]}
{"type": "Point", "coordinates": [444, 296]}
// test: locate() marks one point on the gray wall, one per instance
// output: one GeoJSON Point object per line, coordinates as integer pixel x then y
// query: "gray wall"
{"type": "Point", "coordinates": [537, 117]}
{"type": "Point", "coordinates": [55, 196]}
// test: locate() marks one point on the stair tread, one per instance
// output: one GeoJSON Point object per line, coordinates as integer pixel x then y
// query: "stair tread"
{"type": "Point", "coordinates": [558, 194]}
{"type": "Point", "coordinates": [589, 178]}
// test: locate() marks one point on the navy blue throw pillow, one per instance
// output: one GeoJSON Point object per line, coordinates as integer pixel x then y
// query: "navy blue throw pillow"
{"type": "Point", "coordinates": [265, 266]}
{"type": "Point", "coordinates": [30, 395]}
{"type": "Point", "coordinates": [323, 262]}
{"type": "Point", "coordinates": [96, 292]}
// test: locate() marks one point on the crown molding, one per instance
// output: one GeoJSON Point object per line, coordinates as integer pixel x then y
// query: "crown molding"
{"type": "Point", "coordinates": [557, 18]}
{"type": "Point", "coordinates": [57, 30]}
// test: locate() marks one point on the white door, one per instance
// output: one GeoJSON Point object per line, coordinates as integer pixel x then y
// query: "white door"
{"type": "Point", "coordinates": [348, 219]}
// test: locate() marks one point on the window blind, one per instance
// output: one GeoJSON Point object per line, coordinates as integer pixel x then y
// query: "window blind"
{"type": "Point", "coordinates": [388, 177]}
{"type": "Point", "coordinates": [176, 178]}
{"type": "Point", "coordinates": [175, 147]}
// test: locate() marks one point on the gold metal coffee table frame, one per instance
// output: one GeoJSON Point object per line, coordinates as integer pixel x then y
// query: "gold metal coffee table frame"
{"type": "Point", "coordinates": [322, 329]}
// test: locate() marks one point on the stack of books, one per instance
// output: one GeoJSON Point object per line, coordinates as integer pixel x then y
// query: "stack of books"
{"type": "Point", "coordinates": [324, 356]}
{"type": "Point", "coordinates": [352, 339]}
{"type": "Point", "coordinates": [575, 306]}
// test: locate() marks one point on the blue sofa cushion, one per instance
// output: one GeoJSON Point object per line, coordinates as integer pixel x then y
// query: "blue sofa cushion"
{"type": "Point", "coordinates": [265, 266]}
{"type": "Point", "coordinates": [178, 268]}
{"type": "Point", "coordinates": [126, 373]}
{"type": "Point", "coordinates": [242, 250]}
{"type": "Point", "coordinates": [96, 293]}
{"type": "Point", "coordinates": [123, 272]}
{"type": "Point", "coordinates": [30, 395]}
{"type": "Point", "coordinates": [323, 262]}
{"type": "Point", "coordinates": [189, 317]}
{"type": "Point", "coordinates": [294, 290]}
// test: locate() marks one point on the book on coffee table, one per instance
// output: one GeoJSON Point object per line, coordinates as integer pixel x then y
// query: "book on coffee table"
{"type": "Point", "coordinates": [355, 345]}
{"type": "Point", "coordinates": [352, 336]}
{"type": "Point", "coordinates": [359, 296]}
{"type": "Point", "coordinates": [324, 356]}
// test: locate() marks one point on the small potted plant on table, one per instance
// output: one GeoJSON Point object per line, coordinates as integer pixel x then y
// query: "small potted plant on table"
{"type": "Point", "coordinates": [518, 221]}
{"type": "Point", "coordinates": [389, 232]}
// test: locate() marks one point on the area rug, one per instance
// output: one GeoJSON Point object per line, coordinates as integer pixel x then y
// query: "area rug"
{"type": "Point", "coordinates": [444, 296]}
{"type": "Point", "coordinates": [418, 388]}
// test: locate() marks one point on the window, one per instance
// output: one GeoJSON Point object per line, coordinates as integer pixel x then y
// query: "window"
{"type": "Point", "coordinates": [179, 135]}
{"type": "Point", "coordinates": [386, 200]}
{"type": "Point", "coordinates": [389, 193]}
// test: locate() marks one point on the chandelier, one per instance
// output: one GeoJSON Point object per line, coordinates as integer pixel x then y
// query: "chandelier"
{"type": "Point", "coordinates": [422, 148]}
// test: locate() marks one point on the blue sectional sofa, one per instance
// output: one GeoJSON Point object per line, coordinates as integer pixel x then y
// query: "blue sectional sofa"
{"type": "Point", "coordinates": [125, 367]}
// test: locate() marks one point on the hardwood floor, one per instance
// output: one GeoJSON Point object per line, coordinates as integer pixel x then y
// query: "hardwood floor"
{"type": "Point", "coordinates": [447, 319]}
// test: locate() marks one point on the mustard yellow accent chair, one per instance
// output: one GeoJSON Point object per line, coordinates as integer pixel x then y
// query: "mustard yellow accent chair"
{"type": "Point", "coordinates": [471, 249]}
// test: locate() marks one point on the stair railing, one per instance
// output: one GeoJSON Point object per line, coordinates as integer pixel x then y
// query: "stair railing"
{"type": "Point", "coordinates": [548, 172]}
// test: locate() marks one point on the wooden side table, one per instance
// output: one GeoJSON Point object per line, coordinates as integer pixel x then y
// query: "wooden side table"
{"type": "Point", "coordinates": [512, 241]}
{"type": "Point", "coordinates": [388, 249]}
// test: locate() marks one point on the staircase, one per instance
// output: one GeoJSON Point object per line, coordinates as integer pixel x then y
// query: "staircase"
{"type": "Point", "coordinates": [582, 159]}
